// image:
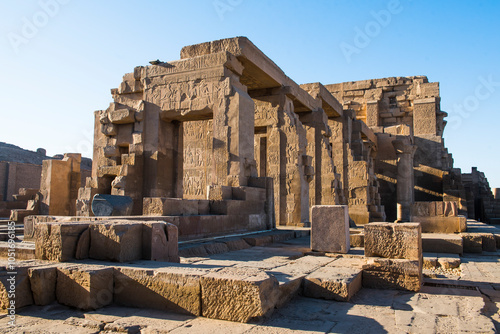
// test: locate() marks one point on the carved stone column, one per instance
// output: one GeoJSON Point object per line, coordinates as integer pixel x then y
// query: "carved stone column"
{"type": "Point", "coordinates": [405, 182]}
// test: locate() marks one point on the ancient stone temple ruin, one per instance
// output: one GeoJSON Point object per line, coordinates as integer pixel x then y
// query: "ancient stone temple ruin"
{"type": "Point", "coordinates": [221, 151]}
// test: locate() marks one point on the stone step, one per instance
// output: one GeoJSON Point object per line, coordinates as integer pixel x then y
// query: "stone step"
{"type": "Point", "coordinates": [339, 280]}
{"type": "Point", "coordinates": [442, 243]}
{"type": "Point", "coordinates": [23, 250]}
{"type": "Point", "coordinates": [236, 207]}
{"type": "Point", "coordinates": [248, 194]}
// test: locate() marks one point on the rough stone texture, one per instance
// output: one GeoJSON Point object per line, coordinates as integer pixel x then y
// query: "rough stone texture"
{"type": "Point", "coordinates": [20, 287]}
{"type": "Point", "coordinates": [488, 242]}
{"type": "Point", "coordinates": [173, 288]}
{"type": "Point", "coordinates": [116, 241]}
{"type": "Point", "coordinates": [58, 241]}
{"type": "Point", "coordinates": [335, 283]}
{"type": "Point", "coordinates": [389, 240]}
{"type": "Point", "coordinates": [238, 294]}
{"type": "Point", "coordinates": [400, 274]}
{"type": "Point", "coordinates": [43, 284]}
{"type": "Point", "coordinates": [160, 242]}
{"type": "Point", "coordinates": [83, 245]}
{"type": "Point", "coordinates": [330, 228]}
{"type": "Point", "coordinates": [59, 185]}
{"type": "Point", "coordinates": [472, 242]}
{"type": "Point", "coordinates": [85, 287]}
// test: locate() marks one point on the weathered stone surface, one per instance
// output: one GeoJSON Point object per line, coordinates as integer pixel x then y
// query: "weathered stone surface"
{"type": "Point", "coordinates": [330, 228]}
{"type": "Point", "coordinates": [15, 288]}
{"type": "Point", "coordinates": [400, 274]}
{"type": "Point", "coordinates": [472, 242]}
{"type": "Point", "coordinates": [58, 241]}
{"type": "Point", "coordinates": [488, 242]}
{"type": "Point", "coordinates": [337, 283]}
{"type": "Point", "coordinates": [238, 294]}
{"type": "Point", "coordinates": [160, 242]}
{"type": "Point", "coordinates": [116, 240]}
{"type": "Point", "coordinates": [121, 116]}
{"type": "Point", "coordinates": [174, 288]}
{"type": "Point", "coordinates": [449, 261]}
{"type": "Point", "coordinates": [86, 287]}
{"type": "Point", "coordinates": [43, 284]}
{"type": "Point", "coordinates": [389, 240]}
{"type": "Point", "coordinates": [83, 245]}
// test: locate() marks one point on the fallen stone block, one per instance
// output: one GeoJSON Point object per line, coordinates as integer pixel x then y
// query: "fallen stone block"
{"type": "Point", "coordinates": [58, 241]}
{"type": "Point", "coordinates": [401, 274]}
{"type": "Point", "coordinates": [116, 240]}
{"type": "Point", "coordinates": [173, 288]}
{"type": "Point", "coordinates": [86, 287]}
{"type": "Point", "coordinates": [330, 228]}
{"type": "Point", "coordinates": [238, 294]}
{"type": "Point", "coordinates": [335, 283]}
{"type": "Point", "coordinates": [472, 242]}
{"type": "Point", "coordinates": [396, 241]}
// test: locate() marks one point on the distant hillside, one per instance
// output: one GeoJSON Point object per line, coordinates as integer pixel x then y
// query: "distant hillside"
{"type": "Point", "coordinates": [13, 153]}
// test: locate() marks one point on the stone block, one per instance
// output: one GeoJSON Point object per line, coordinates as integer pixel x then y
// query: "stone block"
{"type": "Point", "coordinates": [357, 239]}
{"type": "Point", "coordinates": [116, 240]}
{"type": "Point", "coordinates": [160, 242]}
{"type": "Point", "coordinates": [472, 242]}
{"type": "Point", "coordinates": [173, 288]}
{"type": "Point", "coordinates": [235, 207]}
{"type": "Point", "coordinates": [249, 194]}
{"type": "Point", "coordinates": [18, 284]}
{"type": "Point", "coordinates": [219, 193]}
{"type": "Point", "coordinates": [488, 242]}
{"type": "Point", "coordinates": [396, 241]}
{"type": "Point", "coordinates": [238, 294]}
{"type": "Point", "coordinates": [335, 283]}
{"type": "Point", "coordinates": [161, 206]}
{"type": "Point", "coordinates": [441, 224]}
{"type": "Point", "coordinates": [58, 241]}
{"type": "Point", "coordinates": [330, 228]}
{"type": "Point", "coordinates": [86, 287]}
{"type": "Point", "coordinates": [442, 243]}
{"type": "Point", "coordinates": [43, 284]}
{"type": "Point", "coordinates": [121, 116]}
{"type": "Point", "coordinates": [401, 274]}
{"type": "Point", "coordinates": [449, 261]}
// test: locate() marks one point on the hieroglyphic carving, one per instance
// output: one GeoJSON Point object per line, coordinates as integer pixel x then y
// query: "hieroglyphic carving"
{"type": "Point", "coordinates": [197, 161]}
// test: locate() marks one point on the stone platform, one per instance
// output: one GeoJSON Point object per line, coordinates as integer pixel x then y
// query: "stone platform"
{"type": "Point", "coordinates": [466, 299]}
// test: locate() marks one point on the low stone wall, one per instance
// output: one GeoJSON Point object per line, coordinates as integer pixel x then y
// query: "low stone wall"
{"type": "Point", "coordinates": [112, 240]}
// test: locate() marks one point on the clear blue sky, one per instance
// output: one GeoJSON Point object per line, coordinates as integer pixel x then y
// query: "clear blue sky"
{"type": "Point", "coordinates": [58, 63]}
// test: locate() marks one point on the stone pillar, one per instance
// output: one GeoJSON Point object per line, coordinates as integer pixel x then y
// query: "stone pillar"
{"type": "Point", "coordinates": [405, 183]}
{"type": "Point", "coordinates": [233, 142]}
{"type": "Point", "coordinates": [496, 193]}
